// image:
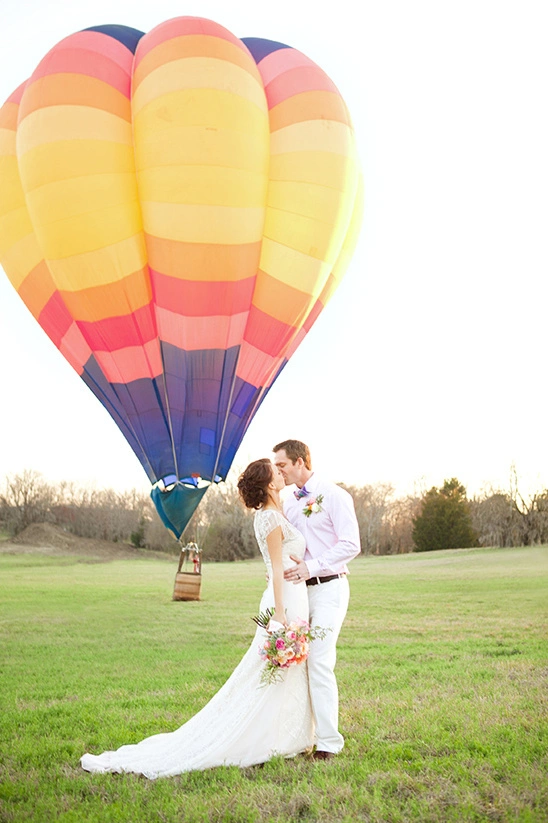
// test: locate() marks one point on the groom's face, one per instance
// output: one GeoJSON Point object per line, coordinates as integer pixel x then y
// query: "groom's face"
{"type": "Point", "coordinates": [291, 472]}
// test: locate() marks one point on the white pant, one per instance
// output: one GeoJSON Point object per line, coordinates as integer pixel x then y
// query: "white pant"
{"type": "Point", "coordinates": [328, 605]}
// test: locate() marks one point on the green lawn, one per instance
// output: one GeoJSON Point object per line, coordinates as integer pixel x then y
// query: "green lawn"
{"type": "Point", "coordinates": [443, 674]}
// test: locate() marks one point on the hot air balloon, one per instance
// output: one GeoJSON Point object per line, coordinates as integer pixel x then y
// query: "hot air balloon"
{"type": "Point", "coordinates": [176, 209]}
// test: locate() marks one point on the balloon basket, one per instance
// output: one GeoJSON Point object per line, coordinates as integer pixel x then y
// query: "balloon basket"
{"type": "Point", "coordinates": [188, 584]}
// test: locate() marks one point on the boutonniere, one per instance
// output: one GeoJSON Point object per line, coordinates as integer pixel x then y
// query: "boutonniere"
{"type": "Point", "coordinates": [313, 505]}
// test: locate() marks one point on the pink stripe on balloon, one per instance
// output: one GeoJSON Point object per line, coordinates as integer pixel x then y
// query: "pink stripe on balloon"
{"type": "Point", "coordinates": [194, 333]}
{"type": "Point", "coordinates": [100, 43]}
{"type": "Point", "coordinates": [88, 63]}
{"type": "Point", "coordinates": [114, 333]}
{"type": "Point", "coordinates": [134, 363]}
{"type": "Point", "coordinates": [295, 343]}
{"type": "Point", "coordinates": [281, 60]}
{"type": "Point", "coordinates": [202, 298]}
{"type": "Point", "coordinates": [266, 333]}
{"type": "Point", "coordinates": [181, 26]}
{"type": "Point", "coordinates": [295, 81]}
{"type": "Point", "coordinates": [255, 365]}
{"type": "Point", "coordinates": [75, 349]}
{"type": "Point", "coordinates": [55, 319]}
{"type": "Point", "coordinates": [15, 96]}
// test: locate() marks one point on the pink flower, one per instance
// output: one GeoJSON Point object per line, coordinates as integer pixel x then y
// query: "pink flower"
{"type": "Point", "coordinates": [280, 643]}
{"type": "Point", "coordinates": [291, 635]}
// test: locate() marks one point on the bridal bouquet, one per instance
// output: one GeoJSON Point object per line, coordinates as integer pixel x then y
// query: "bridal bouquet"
{"type": "Point", "coordinates": [285, 647]}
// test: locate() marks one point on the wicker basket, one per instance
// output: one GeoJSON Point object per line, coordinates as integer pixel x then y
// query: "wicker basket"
{"type": "Point", "coordinates": [188, 583]}
{"type": "Point", "coordinates": [187, 586]}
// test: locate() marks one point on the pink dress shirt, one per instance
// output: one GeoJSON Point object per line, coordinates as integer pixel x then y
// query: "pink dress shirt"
{"type": "Point", "coordinates": [332, 535]}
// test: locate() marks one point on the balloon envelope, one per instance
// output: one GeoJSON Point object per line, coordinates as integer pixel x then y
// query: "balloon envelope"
{"type": "Point", "coordinates": [176, 208]}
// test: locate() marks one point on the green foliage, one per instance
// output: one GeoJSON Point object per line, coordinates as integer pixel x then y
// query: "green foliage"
{"type": "Point", "coordinates": [138, 536]}
{"type": "Point", "coordinates": [445, 520]}
{"type": "Point", "coordinates": [441, 670]}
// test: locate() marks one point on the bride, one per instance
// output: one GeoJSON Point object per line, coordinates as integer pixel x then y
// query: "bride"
{"type": "Point", "coordinates": [246, 722]}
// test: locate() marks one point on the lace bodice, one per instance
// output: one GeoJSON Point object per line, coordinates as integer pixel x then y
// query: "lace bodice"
{"type": "Point", "coordinates": [293, 542]}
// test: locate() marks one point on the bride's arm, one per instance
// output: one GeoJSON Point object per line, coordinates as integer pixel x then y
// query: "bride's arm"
{"type": "Point", "coordinates": [274, 545]}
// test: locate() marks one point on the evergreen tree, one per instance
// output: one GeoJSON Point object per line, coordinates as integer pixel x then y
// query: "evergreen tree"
{"type": "Point", "coordinates": [445, 520]}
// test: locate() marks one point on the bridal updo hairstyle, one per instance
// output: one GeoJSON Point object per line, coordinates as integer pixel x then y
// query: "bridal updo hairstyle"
{"type": "Point", "coordinates": [253, 483]}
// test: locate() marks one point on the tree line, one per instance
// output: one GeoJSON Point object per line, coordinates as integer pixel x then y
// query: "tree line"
{"type": "Point", "coordinates": [439, 518]}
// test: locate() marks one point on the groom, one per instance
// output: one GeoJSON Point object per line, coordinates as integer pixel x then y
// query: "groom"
{"type": "Point", "coordinates": [324, 514]}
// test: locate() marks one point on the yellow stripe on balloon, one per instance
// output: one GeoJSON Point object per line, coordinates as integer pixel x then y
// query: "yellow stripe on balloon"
{"type": "Point", "coordinates": [199, 145]}
{"type": "Point", "coordinates": [288, 265]}
{"type": "Point", "coordinates": [79, 197]}
{"type": "Point", "coordinates": [77, 235]}
{"type": "Point", "coordinates": [98, 157]}
{"type": "Point", "coordinates": [7, 142]}
{"type": "Point", "coordinates": [20, 257]}
{"type": "Point", "coordinates": [95, 268]}
{"type": "Point", "coordinates": [14, 226]}
{"type": "Point", "coordinates": [352, 235]}
{"type": "Point", "coordinates": [316, 135]}
{"type": "Point", "coordinates": [198, 73]}
{"type": "Point", "coordinates": [203, 185]}
{"type": "Point", "coordinates": [12, 194]}
{"type": "Point", "coordinates": [304, 234]}
{"type": "Point", "coordinates": [203, 224]}
{"type": "Point", "coordinates": [60, 123]}
{"type": "Point", "coordinates": [323, 168]}
{"type": "Point", "coordinates": [306, 200]}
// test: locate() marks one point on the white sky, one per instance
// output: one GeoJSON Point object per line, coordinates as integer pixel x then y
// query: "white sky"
{"type": "Point", "coordinates": [430, 361]}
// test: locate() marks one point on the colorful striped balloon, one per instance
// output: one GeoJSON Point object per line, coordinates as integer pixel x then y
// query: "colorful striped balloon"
{"type": "Point", "coordinates": [176, 208]}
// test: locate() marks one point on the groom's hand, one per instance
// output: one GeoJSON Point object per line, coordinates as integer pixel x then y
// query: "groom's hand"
{"type": "Point", "coordinates": [298, 572]}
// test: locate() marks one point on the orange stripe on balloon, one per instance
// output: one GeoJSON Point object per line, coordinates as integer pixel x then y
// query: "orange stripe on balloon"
{"type": "Point", "coordinates": [193, 45]}
{"type": "Point", "coordinates": [75, 349]}
{"type": "Point", "coordinates": [295, 81]}
{"type": "Point", "coordinates": [86, 64]}
{"type": "Point", "coordinates": [73, 89]}
{"type": "Point", "coordinates": [202, 299]}
{"type": "Point", "coordinates": [195, 333]}
{"type": "Point", "coordinates": [309, 105]}
{"type": "Point", "coordinates": [181, 26]}
{"type": "Point", "coordinates": [280, 300]}
{"type": "Point", "coordinates": [201, 261]}
{"type": "Point", "coordinates": [134, 363]}
{"type": "Point", "coordinates": [37, 288]}
{"type": "Point", "coordinates": [8, 115]}
{"type": "Point", "coordinates": [111, 299]}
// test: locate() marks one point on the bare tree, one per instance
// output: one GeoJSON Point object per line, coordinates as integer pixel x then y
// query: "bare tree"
{"type": "Point", "coordinates": [27, 499]}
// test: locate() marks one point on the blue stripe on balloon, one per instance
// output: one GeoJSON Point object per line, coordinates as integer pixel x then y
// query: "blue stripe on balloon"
{"type": "Point", "coordinates": [124, 34]}
{"type": "Point", "coordinates": [262, 48]}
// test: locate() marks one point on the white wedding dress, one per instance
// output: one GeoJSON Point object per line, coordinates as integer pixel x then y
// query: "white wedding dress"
{"type": "Point", "coordinates": [246, 722]}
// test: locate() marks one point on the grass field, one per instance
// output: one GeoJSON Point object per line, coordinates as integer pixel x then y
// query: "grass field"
{"type": "Point", "coordinates": [443, 674]}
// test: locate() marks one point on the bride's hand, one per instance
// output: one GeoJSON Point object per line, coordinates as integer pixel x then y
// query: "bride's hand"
{"type": "Point", "coordinates": [277, 618]}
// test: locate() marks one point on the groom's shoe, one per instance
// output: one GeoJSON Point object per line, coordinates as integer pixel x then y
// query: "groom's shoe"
{"type": "Point", "coordinates": [323, 755]}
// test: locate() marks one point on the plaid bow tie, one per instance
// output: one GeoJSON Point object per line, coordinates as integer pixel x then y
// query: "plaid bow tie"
{"type": "Point", "coordinates": [301, 493]}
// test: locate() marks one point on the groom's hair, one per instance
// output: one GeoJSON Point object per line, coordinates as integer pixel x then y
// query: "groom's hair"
{"type": "Point", "coordinates": [295, 449]}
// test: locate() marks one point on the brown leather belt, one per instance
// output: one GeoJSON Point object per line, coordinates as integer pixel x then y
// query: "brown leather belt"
{"type": "Point", "coordinates": [313, 581]}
